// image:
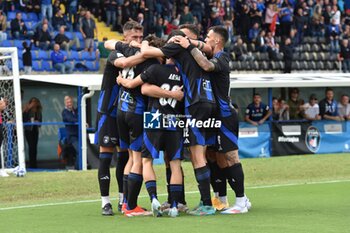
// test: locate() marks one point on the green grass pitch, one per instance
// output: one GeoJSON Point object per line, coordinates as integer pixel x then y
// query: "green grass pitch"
{"type": "Point", "coordinates": [289, 194]}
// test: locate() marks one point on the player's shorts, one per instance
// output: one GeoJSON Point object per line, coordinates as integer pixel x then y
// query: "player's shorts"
{"type": "Point", "coordinates": [205, 135]}
{"type": "Point", "coordinates": [227, 136]}
{"type": "Point", "coordinates": [107, 131]}
{"type": "Point", "coordinates": [168, 141]}
{"type": "Point", "coordinates": [130, 126]}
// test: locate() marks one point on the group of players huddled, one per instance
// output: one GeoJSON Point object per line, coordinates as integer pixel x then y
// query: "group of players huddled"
{"type": "Point", "coordinates": [175, 82]}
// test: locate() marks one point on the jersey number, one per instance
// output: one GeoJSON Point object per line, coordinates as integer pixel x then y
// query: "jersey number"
{"type": "Point", "coordinates": [128, 73]}
{"type": "Point", "coordinates": [164, 101]}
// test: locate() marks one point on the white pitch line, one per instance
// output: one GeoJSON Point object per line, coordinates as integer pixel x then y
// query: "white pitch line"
{"type": "Point", "coordinates": [165, 194]}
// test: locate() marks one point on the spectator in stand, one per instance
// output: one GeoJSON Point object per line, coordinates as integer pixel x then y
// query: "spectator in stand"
{"type": "Point", "coordinates": [197, 10]}
{"type": "Point", "coordinates": [64, 42]}
{"type": "Point", "coordinates": [257, 112]}
{"type": "Point", "coordinates": [32, 113]}
{"type": "Point", "coordinates": [344, 107]}
{"type": "Point", "coordinates": [89, 30]}
{"type": "Point", "coordinates": [58, 21]}
{"type": "Point", "coordinates": [70, 115]}
{"type": "Point", "coordinates": [280, 110]}
{"type": "Point", "coordinates": [300, 23]}
{"type": "Point", "coordinates": [214, 18]}
{"type": "Point", "coordinates": [272, 46]}
{"type": "Point", "coordinates": [72, 11]}
{"type": "Point", "coordinates": [111, 7]}
{"type": "Point", "coordinates": [18, 28]}
{"type": "Point", "coordinates": [329, 107]}
{"type": "Point", "coordinates": [59, 61]}
{"type": "Point", "coordinates": [186, 17]}
{"type": "Point", "coordinates": [260, 43]}
{"type": "Point", "coordinates": [58, 6]}
{"type": "Point", "coordinates": [336, 15]}
{"type": "Point", "coordinates": [169, 26]}
{"type": "Point", "coordinates": [160, 28]}
{"type": "Point", "coordinates": [287, 51]}
{"type": "Point", "coordinates": [311, 110]}
{"type": "Point", "coordinates": [254, 33]}
{"type": "Point", "coordinates": [344, 56]}
{"type": "Point", "coordinates": [43, 38]}
{"type": "Point", "coordinates": [33, 6]}
{"type": "Point", "coordinates": [241, 52]}
{"type": "Point", "coordinates": [141, 21]}
{"type": "Point", "coordinates": [333, 32]}
{"type": "Point", "coordinates": [317, 23]}
{"type": "Point", "coordinates": [286, 19]}
{"type": "Point", "coordinates": [3, 26]}
{"type": "Point", "coordinates": [295, 105]}
{"type": "Point", "coordinates": [255, 14]}
{"type": "Point", "coordinates": [269, 14]}
{"type": "Point", "coordinates": [346, 33]}
{"type": "Point", "coordinates": [36, 28]}
{"type": "Point", "coordinates": [27, 57]}
{"type": "Point", "coordinates": [244, 22]}
{"type": "Point", "coordinates": [46, 9]}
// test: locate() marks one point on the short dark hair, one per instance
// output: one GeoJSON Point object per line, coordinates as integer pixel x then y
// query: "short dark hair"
{"type": "Point", "coordinates": [221, 31]}
{"type": "Point", "coordinates": [191, 27]}
{"type": "Point", "coordinates": [328, 89]}
{"type": "Point", "coordinates": [256, 94]}
{"type": "Point", "coordinates": [132, 25]}
{"type": "Point", "coordinates": [155, 41]}
{"type": "Point", "coordinates": [175, 33]}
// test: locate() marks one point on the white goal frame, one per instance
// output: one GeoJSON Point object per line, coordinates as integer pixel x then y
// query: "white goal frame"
{"type": "Point", "coordinates": [18, 103]}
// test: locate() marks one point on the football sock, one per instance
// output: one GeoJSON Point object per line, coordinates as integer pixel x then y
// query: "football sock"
{"type": "Point", "coordinates": [168, 176]}
{"type": "Point", "coordinates": [203, 178]}
{"type": "Point", "coordinates": [223, 199]}
{"type": "Point", "coordinates": [123, 158]}
{"type": "Point", "coordinates": [105, 200]}
{"type": "Point", "coordinates": [176, 191]}
{"type": "Point", "coordinates": [134, 187]}
{"type": "Point", "coordinates": [235, 177]}
{"type": "Point", "coordinates": [221, 183]}
{"type": "Point", "coordinates": [151, 187]}
{"type": "Point", "coordinates": [213, 175]}
{"type": "Point", "coordinates": [121, 198]}
{"type": "Point", "coordinates": [125, 188]}
{"type": "Point", "coordinates": [183, 199]}
{"type": "Point", "coordinates": [104, 174]}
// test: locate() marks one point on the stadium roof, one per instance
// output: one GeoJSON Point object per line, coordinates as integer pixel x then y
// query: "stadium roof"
{"type": "Point", "coordinates": [93, 81]}
{"type": "Point", "coordinates": [289, 80]}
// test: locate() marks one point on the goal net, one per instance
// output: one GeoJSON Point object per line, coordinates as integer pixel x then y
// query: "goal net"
{"type": "Point", "coordinates": [12, 143]}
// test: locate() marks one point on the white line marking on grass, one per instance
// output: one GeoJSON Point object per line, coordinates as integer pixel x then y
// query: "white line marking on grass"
{"type": "Point", "coordinates": [165, 194]}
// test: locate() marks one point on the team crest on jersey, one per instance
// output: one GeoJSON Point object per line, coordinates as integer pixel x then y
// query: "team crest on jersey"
{"type": "Point", "coordinates": [105, 139]}
{"type": "Point", "coordinates": [313, 139]}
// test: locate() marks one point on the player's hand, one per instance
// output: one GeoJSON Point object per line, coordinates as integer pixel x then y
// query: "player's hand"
{"type": "Point", "coordinates": [144, 45]}
{"type": "Point", "coordinates": [184, 42]}
{"type": "Point", "coordinates": [119, 78]}
{"type": "Point", "coordinates": [255, 123]}
{"type": "Point", "coordinates": [178, 94]}
{"type": "Point", "coordinates": [135, 44]}
{"type": "Point", "coordinates": [261, 122]}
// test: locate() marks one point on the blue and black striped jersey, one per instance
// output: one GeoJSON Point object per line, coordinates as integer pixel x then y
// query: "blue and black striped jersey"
{"type": "Point", "coordinates": [109, 88]}
{"type": "Point", "coordinates": [131, 100]}
{"type": "Point", "coordinates": [197, 83]}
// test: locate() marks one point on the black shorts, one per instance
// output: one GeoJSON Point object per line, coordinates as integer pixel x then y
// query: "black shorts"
{"type": "Point", "coordinates": [130, 126]}
{"type": "Point", "coordinates": [205, 135]}
{"type": "Point", "coordinates": [227, 136]}
{"type": "Point", "coordinates": [168, 141]}
{"type": "Point", "coordinates": [107, 131]}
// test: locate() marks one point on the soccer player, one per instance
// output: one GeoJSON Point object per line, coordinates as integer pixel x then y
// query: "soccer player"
{"type": "Point", "coordinates": [199, 106]}
{"type": "Point", "coordinates": [107, 133]}
{"type": "Point", "coordinates": [227, 156]}
{"type": "Point", "coordinates": [131, 105]}
{"type": "Point", "coordinates": [164, 102]}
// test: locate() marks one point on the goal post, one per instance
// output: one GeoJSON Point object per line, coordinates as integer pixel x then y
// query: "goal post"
{"type": "Point", "coordinates": [12, 148]}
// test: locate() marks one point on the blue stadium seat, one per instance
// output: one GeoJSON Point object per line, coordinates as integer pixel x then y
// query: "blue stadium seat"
{"type": "Point", "coordinates": [11, 15]}
{"type": "Point", "coordinates": [18, 43]}
{"type": "Point", "coordinates": [45, 55]}
{"type": "Point", "coordinates": [74, 55]}
{"type": "Point", "coordinates": [37, 66]}
{"type": "Point", "coordinates": [69, 35]}
{"type": "Point", "coordinates": [79, 35]}
{"type": "Point", "coordinates": [47, 66]}
{"type": "Point", "coordinates": [29, 25]}
{"type": "Point", "coordinates": [32, 16]}
{"type": "Point", "coordinates": [24, 17]}
{"type": "Point", "coordinates": [92, 65]}
{"type": "Point", "coordinates": [34, 55]}
{"type": "Point", "coordinates": [7, 43]}
{"type": "Point", "coordinates": [88, 56]}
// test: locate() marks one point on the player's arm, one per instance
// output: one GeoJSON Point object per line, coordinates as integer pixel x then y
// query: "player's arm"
{"type": "Point", "coordinates": [110, 44]}
{"type": "Point", "coordinates": [129, 83]}
{"type": "Point", "coordinates": [267, 115]}
{"type": "Point", "coordinates": [131, 61]}
{"type": "Point", "coordinates": [149, 51]}
{"type": "Point", "coordinates": [157, 92]}
{"type": "Point", "coordinates": [202, 61]}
